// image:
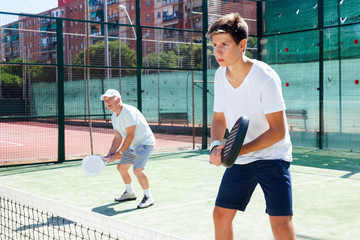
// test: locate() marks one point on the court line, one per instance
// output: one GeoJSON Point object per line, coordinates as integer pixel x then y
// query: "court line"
{"type": "Point", "coordinates": [213, 199]}
{"type": "Point", "coordinates": [12, 144]}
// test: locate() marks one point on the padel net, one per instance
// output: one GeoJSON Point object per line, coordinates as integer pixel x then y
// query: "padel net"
{"type": "Point", "coordinates": [26, 216]}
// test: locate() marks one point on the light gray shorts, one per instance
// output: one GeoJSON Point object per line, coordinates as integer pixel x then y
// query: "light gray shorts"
{"type": "Point", "coordinates": [138, 157]}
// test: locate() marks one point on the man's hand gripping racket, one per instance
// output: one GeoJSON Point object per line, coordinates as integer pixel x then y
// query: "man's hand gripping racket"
{"type": "Point", "coordinates": [230, 151]}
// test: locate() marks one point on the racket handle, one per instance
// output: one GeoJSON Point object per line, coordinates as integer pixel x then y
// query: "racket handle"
{"type": "Point", "coordinates": [107, 158]}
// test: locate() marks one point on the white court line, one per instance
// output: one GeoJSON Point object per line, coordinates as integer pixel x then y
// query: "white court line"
{"type": "Point", "coordinates": [213, 199]}
{"type": "Point", "coordinates": [12, 144]}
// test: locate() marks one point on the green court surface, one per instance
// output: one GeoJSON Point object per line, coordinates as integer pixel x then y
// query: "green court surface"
{"type": "Point", "coordinates": [326, 193]}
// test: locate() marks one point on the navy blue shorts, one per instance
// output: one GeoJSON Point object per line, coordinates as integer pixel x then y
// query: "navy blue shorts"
{"type": "Point", "coordinates": [239, 182]}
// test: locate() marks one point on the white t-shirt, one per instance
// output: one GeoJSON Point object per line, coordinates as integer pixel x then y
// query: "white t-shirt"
{"type": "Point", "coordinates": [259, 94]}
{"type": "Point", "coordinates": [130, 116]}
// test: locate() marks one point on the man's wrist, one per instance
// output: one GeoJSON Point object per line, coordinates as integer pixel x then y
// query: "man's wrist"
{"type": "Point", "coordinates": [214, 144]}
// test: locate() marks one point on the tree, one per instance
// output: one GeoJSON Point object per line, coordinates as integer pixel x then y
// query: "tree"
{"type": "Point", "coordinates": [97, 60]}
{"type": "Point", "coordinates": [12, 76]}
{"type": "Point", "coordinates": [170, 58]}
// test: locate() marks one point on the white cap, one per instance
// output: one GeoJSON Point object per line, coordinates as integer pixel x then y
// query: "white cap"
{"type": "Point", "coordinates": [110, 93]}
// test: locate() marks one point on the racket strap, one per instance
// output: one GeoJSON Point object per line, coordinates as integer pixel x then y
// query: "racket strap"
{"type": "Point", "coordinates": [215, 143]}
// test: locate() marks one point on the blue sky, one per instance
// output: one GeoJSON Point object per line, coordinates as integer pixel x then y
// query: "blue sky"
{"type": "Point", "coordinates": [24, 6]}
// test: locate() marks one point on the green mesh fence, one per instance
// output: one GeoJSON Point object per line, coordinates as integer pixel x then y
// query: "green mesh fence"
{"type": "Point", "coordinates": [291, 45]}
{"type": "Point", "coordinates": [165, 92]}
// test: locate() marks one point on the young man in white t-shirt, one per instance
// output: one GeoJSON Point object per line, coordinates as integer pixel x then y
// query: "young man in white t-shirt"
{"type": "Point", "coordinates": [133, 143]}
{"type": "Point", "coordinates": [247, 87]}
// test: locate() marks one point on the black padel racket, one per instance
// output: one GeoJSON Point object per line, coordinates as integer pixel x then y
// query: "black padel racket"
{"type": "Point", "coordinates": [234, 142]}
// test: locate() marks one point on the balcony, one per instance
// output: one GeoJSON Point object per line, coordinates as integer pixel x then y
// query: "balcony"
{"type": "Point", "coordinates": [14, 39]}
{"type": "Point", "coordinates": [170, 34]}
{"type": "Point", "coordinates": [97, 16]}
{"type": "Point", "coordinates": [113, 31]}
{"type": "Point", "coordinates": [110, 2]}
{"type": "Point", "coordinates": [45, 21]}
{"type": "Point", "coordinates": [7, 31]}
{"type": "Point", "coordinates": [168, 2]}
{"type": "Point", "coordinates": [173, 16]}
{"type": "Point", "coordinates": [114, 16]}
{"type": "Point", "coordinates": [96, 7]}
{"type": "Point", "coordinates": [6, 44]}
{"type": "Point", "coordinates": [96, 33]}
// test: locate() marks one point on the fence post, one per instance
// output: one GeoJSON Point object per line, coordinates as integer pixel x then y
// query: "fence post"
{"type": "Point", "coordinates": [259, 26]}
{"type": "Point", "coordinates": [60, 91]}
{"type": "Point", "coordinates": [205, 132]}
{"type": "Point", "coordinates": [321, 72]}
{"type": "Point", "coordinates": [138, 55]}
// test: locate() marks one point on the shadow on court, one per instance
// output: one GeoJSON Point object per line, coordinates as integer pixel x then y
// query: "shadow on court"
{"type": "Point", "coordinates": [109, 210]}
{"type": "Point", "coordinates": [328, 159]}
{"type": "Point", "coordinates": [304, 237]}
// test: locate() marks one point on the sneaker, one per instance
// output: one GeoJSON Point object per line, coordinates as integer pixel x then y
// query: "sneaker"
{"type": "Point", "coordinates": [126, 197]}
{"type": "Point", "coordinates": [146, 202]}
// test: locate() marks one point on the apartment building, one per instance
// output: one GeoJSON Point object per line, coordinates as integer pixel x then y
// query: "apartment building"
{"type": "Point", "coordinates": [34, 38]}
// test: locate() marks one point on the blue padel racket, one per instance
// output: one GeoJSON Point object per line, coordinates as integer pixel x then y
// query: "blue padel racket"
{"type": "Point", "coordinates": [234, 142]}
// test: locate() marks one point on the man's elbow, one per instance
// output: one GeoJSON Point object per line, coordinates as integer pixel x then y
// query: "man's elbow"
{"type": "Point", "coordinates": [130, 136]}
{"type": "Point", "coordinates": [280, 134]}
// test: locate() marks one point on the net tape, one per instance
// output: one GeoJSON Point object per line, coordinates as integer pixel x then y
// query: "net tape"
{"type": "Point", "coordinates": [26, 216]}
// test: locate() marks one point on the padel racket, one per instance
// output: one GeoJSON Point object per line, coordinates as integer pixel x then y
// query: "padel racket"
{"type": "Point", "coordinates": [234, 142]}
{"type": "Point", "coordinates": [93, 165]}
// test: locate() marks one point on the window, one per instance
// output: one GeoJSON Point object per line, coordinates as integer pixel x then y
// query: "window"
{"type": "Point", "coordinates": [80, 8]}
{"type": "Point", "coordinates": [70, 10]}
{"type": "Point", "coordinates": [159, 15]}
{"type": "Point", "coordinates": [148, 17]}
{"type": "Point", "coordinates": [75, 9]}
{"type": "Point", "coordinates": [147, 3]}
{"type": "Point", "coordinates": [62, 12]}
{"type": "Point", "coordinates": [132, 6]}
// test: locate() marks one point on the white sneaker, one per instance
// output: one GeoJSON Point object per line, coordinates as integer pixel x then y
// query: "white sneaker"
{"type": "Point", "coordinates": [146, 202]}
{"type": "Point", "coordinates": [126, 197]}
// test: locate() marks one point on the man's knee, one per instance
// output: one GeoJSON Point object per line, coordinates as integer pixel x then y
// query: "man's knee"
{"type": "Point", "coordinates": [122, 168]}
{"type": "Point", "coordinates": [138, 171]}
{"type": "Point", "coordinates": [223, 214]}
{"type": "Point", "coordinates": [282, 226]}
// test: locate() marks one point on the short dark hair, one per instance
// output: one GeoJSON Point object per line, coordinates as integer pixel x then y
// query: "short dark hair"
{"type": "Point", "coordinates": [231, 23]}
